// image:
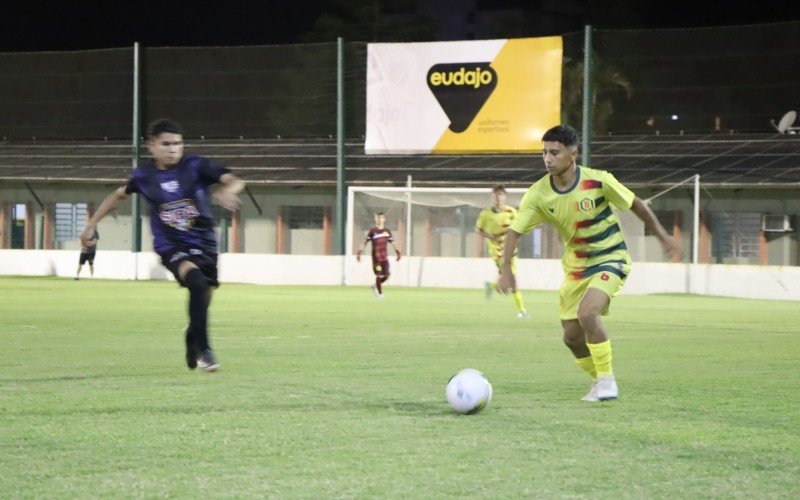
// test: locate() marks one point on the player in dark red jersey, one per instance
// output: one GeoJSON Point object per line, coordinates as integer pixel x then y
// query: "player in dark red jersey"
{"type": "Point", "coordinates": [380, 237]}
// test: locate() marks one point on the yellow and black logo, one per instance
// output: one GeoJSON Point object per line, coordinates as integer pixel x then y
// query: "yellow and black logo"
{"type": "Point", "coordinates": [462, 89]}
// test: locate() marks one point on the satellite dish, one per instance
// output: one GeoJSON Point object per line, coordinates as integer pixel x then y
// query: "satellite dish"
{"type": "Point", "coordinates": [785, 123]}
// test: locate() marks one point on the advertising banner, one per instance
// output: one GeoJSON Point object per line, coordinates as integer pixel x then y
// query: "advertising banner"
{"type": "Point", "coordinates": [462, 97]}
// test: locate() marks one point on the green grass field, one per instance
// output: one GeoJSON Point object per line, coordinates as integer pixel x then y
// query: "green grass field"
{"type": "Point", "coordinates": [328, 392]}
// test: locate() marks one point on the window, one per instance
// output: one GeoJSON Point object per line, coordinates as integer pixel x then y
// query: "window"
{"type": "Point", "coordinates": [306, 217]}
{"type": "Point", "coordinates": [18, 215]}
{"type": "Point", "coordinates": [70, 219]}
{"type": "Point", "coordinates": [736, 235]}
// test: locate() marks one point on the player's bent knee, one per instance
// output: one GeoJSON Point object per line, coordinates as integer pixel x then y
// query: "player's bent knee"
{"type": "Point", "coordinates": [195, 280]}
{"type": "Point", "coordinates": [588, 316]}
{"type": "Point", "coordinates": [573, 342]}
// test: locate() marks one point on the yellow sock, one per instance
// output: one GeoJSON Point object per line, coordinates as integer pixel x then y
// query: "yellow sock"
{"type": "Point", "coordinates": [601, 355]}
{"type": "Point", "coordinates": [518, 301]}
{"type": "Point", "coordinates": [587, 365]}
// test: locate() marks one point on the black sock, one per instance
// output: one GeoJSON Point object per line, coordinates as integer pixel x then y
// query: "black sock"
{"type": "Point", "coordinates": [195, 281]}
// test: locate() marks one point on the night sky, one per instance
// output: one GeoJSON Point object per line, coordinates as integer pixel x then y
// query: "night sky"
{"type": "Point", "coordinates": [64, 25]}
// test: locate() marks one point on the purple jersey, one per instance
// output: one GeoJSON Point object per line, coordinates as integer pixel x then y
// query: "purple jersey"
{"type": "Point", "coordinates": [180, 210]}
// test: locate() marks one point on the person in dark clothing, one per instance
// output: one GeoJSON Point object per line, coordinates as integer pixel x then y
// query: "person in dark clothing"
{"type": "Point", "coordinates": [176, 188]}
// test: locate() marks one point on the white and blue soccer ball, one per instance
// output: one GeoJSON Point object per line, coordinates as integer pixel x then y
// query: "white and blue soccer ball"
{"type": "Point", "coordinates": [468, 391]}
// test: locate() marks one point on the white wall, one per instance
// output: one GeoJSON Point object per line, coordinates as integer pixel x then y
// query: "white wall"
{"type": "Point", "coordinates": [761, 282]}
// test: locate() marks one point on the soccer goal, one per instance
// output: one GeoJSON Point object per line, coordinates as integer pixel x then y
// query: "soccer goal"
{"type": "Point", "coordinates": [429, 222]}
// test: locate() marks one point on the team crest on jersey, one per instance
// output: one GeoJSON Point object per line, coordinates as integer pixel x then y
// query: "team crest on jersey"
{"type": "Point", "coordinates": [586, 205]}
{"type": "Point", "coordinates": [170, 186]}
{"type": "Point", "coordinates": [179, 214]}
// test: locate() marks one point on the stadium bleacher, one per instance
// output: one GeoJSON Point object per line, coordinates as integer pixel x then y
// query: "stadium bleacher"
{"type": "Point", "coordinates": [638, 160]}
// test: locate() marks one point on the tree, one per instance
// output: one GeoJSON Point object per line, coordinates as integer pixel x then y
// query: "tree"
{"type": "Point", "coordinates": [607, 82]}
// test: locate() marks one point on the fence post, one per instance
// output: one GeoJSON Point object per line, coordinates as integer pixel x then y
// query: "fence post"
{"type": "Point", "coordinates": [586, 146]}
{"type": "Point", "coordinates": [340, 167]}
{"type": "Point", "coordinates": [136, 221]}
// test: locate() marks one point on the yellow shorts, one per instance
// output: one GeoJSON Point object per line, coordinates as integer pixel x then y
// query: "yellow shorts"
{"type": "Point", "coordinates": [499, 263]}
{"type": "Point", "coordinates": [571, 292]}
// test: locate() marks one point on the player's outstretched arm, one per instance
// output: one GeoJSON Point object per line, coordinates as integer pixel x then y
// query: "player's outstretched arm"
{"type": "Point", "coordinates": [110, 204]}
{"type": "Point", "coordinates": [650, 220]}
{"type": "Point", "coordinates": [396, 250]}
{"type": "Point", "coordinates": [228, 194]}
{"type": "Point", "coordinates": [507, 280]}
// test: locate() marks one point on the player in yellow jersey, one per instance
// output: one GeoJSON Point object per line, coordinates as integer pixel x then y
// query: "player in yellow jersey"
{"type": "Point", "coordinates": [493, 224]}
{"type": "Point", "coordinates": [577, 202]}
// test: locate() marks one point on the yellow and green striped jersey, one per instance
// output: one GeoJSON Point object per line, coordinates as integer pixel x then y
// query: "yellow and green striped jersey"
{"type": "Point", "coordinates": [496, 222]}
{"type": "Point", "coordinates": [590, 230]}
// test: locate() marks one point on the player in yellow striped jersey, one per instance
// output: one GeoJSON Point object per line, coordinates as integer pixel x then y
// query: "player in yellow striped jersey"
{"type": "Point", "coordinates": [493, 224]}
{"type": "Point", "coordinates": [577, 202]}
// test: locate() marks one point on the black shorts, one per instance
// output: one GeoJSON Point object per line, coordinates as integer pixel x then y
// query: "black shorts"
{"type": "Point", "coordinates": [206, 262]}
{"type": "Point", "coordinates": [87, 257]}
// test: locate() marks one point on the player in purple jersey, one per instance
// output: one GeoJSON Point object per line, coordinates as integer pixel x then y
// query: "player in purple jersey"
{"type": "Point", "coordinates": [380, 237]}
{"type": "Point", "coordinates": [176, 188]}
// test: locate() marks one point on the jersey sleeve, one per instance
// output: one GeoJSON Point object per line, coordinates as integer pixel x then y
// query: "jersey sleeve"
{"type": "Point", "coordinates": [528, 215]}
{"type": "Point", "coordinates": [617, 194]}
{"type": "Point", "coordinates": [209, 171]}
{"type": "Point", "coordinates": [131, 187]}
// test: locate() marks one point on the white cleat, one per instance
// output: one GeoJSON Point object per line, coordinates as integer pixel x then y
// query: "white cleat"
{"type": "Point", "coordinates": [375, 291]}
{"type": "Point", "coordinates": [522, 314]}
{"type": "Point", "coordinates": [207, 361]}
{"type": "Point", "coordinates": [590, 397]}
{"type": "Point", "coordinates": [606, 388]}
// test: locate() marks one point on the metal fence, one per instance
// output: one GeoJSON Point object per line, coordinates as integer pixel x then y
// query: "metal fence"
{"type": "Point", "coordinates": [720, 79]}
{"type": "Point", "coordinates": [261, 91]}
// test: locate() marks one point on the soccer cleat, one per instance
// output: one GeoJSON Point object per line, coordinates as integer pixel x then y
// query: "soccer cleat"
{"type": "Point", "coordinates": [606, 388]}
{"type": "Point", "coordinates": [590, 397]}
{"type": "Point", "coordinates": [487, 289]}
{"type": "Point", "coordinates": [522, 314]}
{"type": "Point", "coordinates": [208, 361]}
{"type": "Point", "coordinates": [375, 291]}
{"type": "Point", "coordinates": [191, 351]}
{"type": "Point", "coordinates": [380, 295]}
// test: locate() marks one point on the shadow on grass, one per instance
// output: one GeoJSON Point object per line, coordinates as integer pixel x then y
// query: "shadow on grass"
{"type": "Point", "coordinates": [420, 408]}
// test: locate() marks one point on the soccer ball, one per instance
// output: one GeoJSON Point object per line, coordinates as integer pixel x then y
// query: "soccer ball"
{"type": "Point", "coordinates": [468, 391]}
